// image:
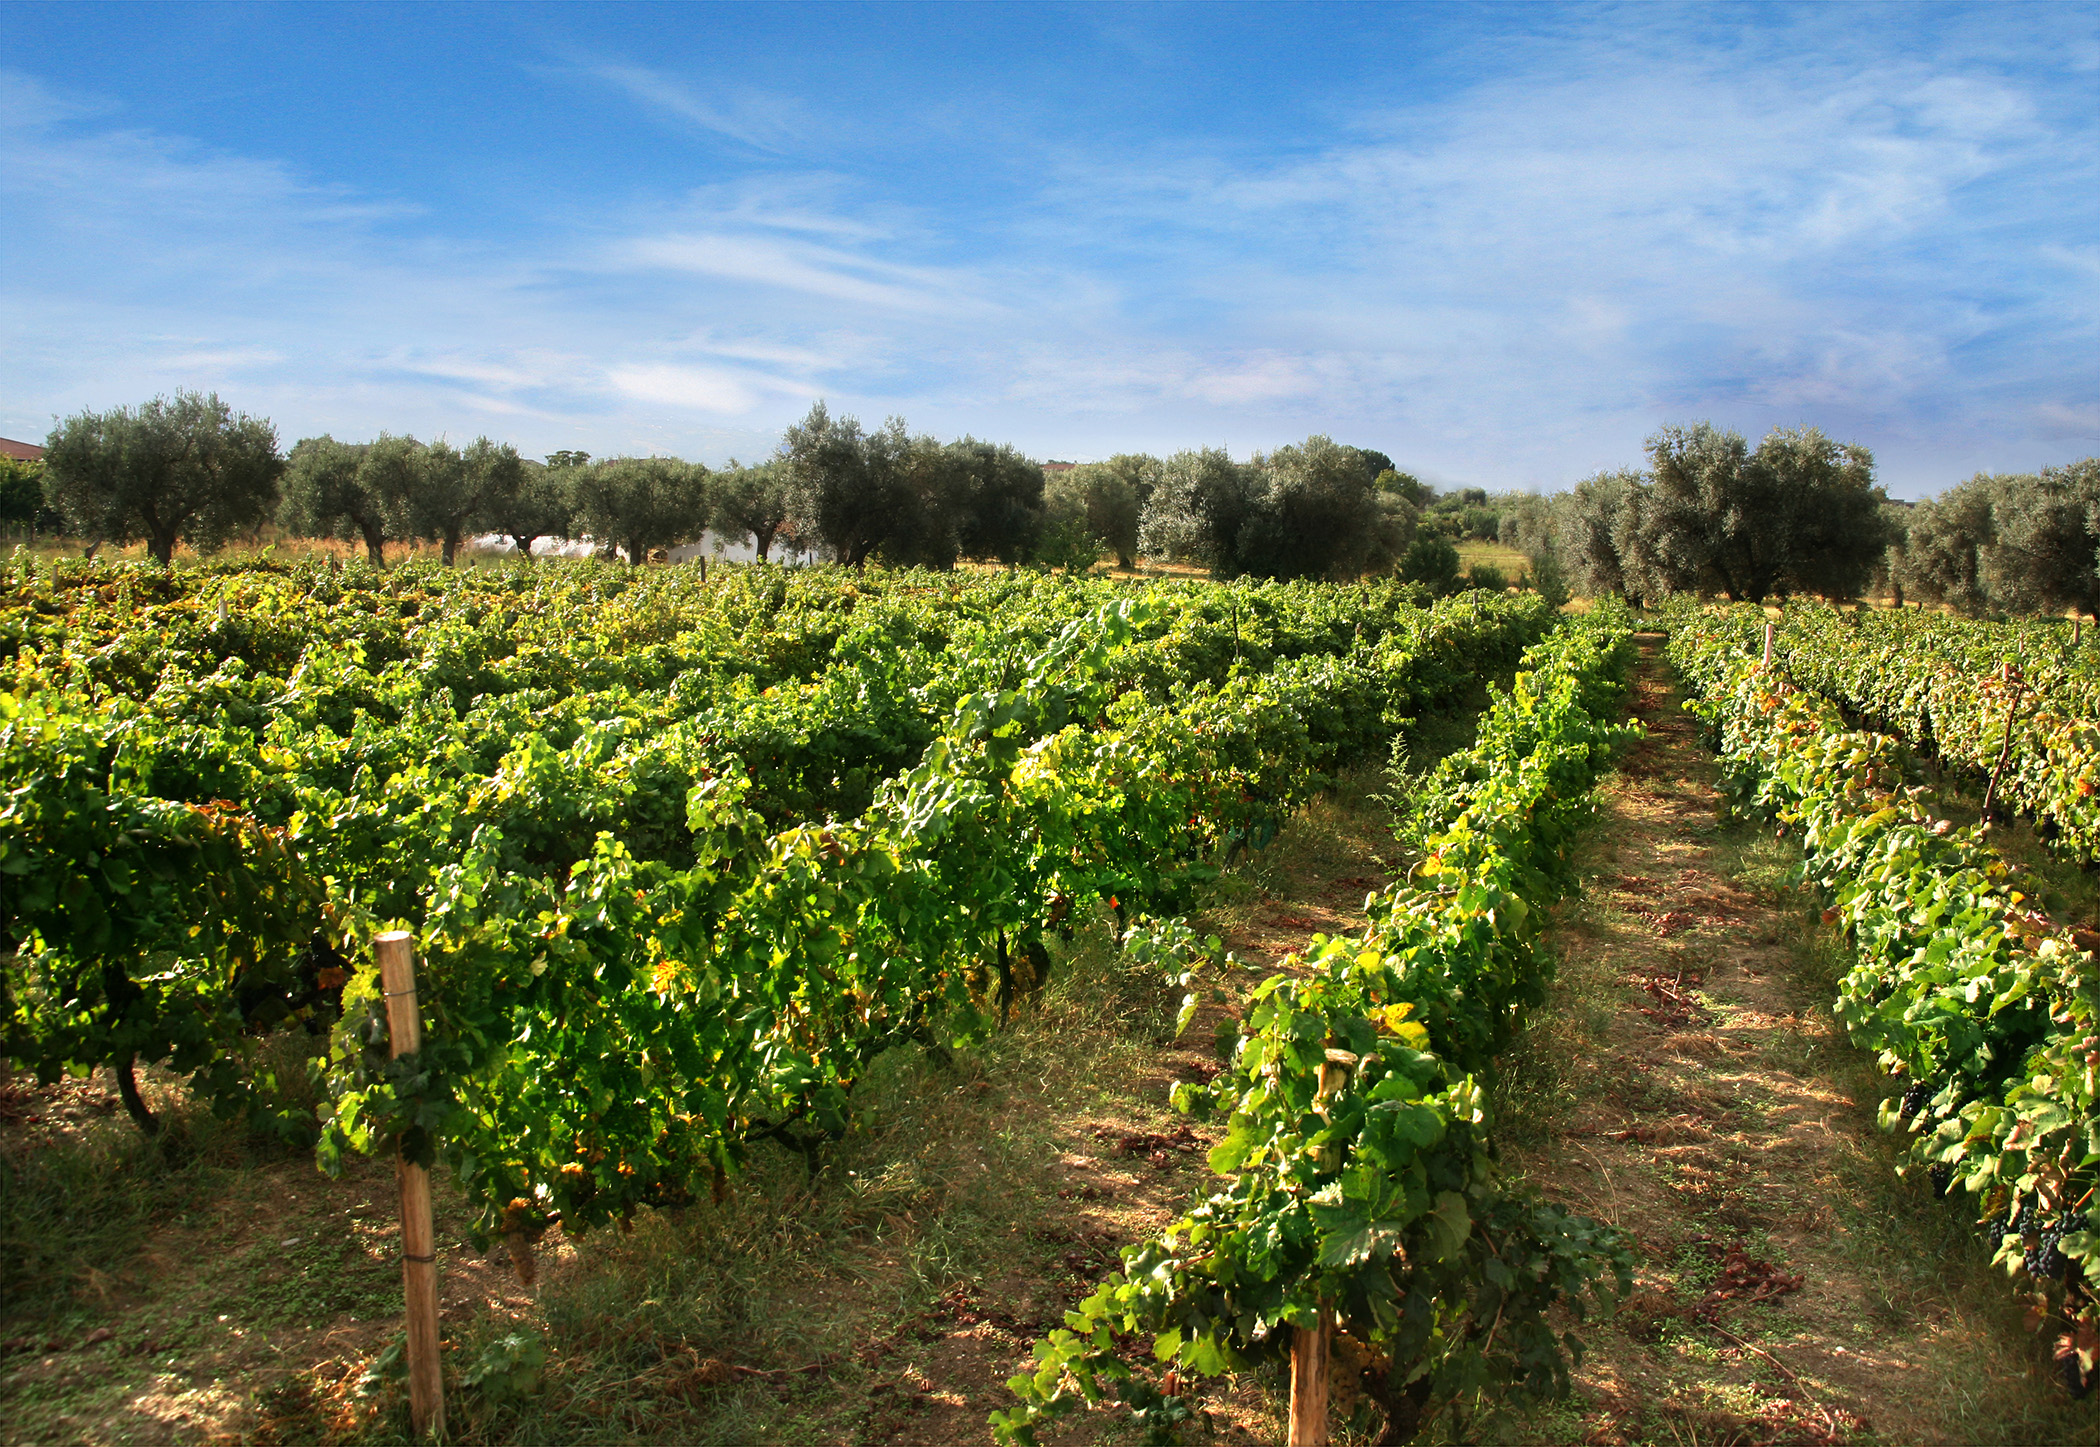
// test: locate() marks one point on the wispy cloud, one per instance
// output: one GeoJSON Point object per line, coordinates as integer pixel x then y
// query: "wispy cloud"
{"type": "Point", "coordinates": [1574, 250]}
{"type": "Point", "coordinates": [807, 269]}
{"type": "Point", "coordinates": [765, 123]}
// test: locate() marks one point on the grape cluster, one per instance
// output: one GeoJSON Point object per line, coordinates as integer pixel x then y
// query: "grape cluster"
{"type": "Point", "coordinates": [1941, 1176]}
{"type": "Point", "coordinates": [2044, 1262]}
{"type": "Point", "coordinates": [1914, 1099]}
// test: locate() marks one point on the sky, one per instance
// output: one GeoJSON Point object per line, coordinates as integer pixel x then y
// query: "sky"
{"type": "Point", "coordinates": [1501, 243]}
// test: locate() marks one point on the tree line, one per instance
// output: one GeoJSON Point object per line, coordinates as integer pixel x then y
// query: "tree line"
{"type": "Point", "coordinates": [189, 470]}
{"type": "Point", "coordinates": [1798, 513]}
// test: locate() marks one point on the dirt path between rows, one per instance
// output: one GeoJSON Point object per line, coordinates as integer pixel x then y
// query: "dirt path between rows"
{"type": "Point", "coordinates": [1689, 1085]}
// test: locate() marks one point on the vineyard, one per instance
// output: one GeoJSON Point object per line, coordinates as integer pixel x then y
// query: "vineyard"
{"type": "Point", "coordinates": [681, 858]}
{"type": "Point", "coordinates": [688, 860]}
{"type": "Point", "coordinates": [1978, 1005]}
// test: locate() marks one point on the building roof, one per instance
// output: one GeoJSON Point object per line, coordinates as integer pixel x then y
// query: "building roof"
{"type": "Point", "coordinates": [20, 451]}
{"type": "Point", "coordinates": [1059, 466]}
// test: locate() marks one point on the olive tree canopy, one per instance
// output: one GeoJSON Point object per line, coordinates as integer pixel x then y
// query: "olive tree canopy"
{"type": "Point", "coordinates": [1320, 515]}
{"type": "Point", "coordinates": [2010, 543]}
{"type": "Point", "coordinates": [752, 502]}
{"type": "Point", "coordinates": [639, 503]}
{"type": "Point", "coordinates": [378, 492]}
{"type": "Point", "coordinates": [995, 496]}
{"type": "Point", "coordinates": [540, 505]}
{"type": "Point", "coordinates": [1108, 498]}
{"type": "Point", "coordinates": [186, 469]}
{"type": "Point", "coordinates": [846, 490]}
{"type": "Point", "coordinates": [1196, 512]}
{"type": "Point", "coordinates": [1308, 510]}
{"type": "Point", "coordinates": [907, 499]}
{"type": "Point", "coordinates": [1799, 514]}
{"type": "Point", "coordinates": [450, 490]}
{"type": "Point", "coordinates": [2047, 553]}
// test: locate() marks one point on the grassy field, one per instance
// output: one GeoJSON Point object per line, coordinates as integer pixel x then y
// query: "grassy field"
{"type": "Point", "coordinates": [1472, 553]}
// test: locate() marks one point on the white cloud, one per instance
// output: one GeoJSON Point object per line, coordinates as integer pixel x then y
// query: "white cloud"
{"type": "Point", "coordinates": [2070, 422]}
{"type": "Point", "coordinates": [704, 389]}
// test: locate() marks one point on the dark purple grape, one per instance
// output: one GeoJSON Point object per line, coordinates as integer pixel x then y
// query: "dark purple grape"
{"type": "Point", "coordinates": [1941, 1177]}
{"type": "Point", "coordinates": [2042, 1260]}
{"type": "Point", "coordinates": [1914, 1100]}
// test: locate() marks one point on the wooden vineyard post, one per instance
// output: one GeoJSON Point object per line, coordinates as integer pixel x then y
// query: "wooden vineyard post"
{"type": "Point", "coordinates": [1768, 643]}
{"type": "Point", "coordinates": [404, 1023]}
{"type": "Point", "coordinates": [1311, 1346]}
{"type": "Point", "coordinates": [1309, 1383]}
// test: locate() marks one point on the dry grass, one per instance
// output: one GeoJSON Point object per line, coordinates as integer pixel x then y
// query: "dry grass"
{"type": "Point", "coordinates": [1474, 551]}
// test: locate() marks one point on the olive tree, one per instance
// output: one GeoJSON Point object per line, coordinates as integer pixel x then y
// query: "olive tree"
{"type": "Point", "coordinates": [1801, 513]}
{"type": "Point", "coordinates": [181, 469]}
{"type": "Point", "coordinates": [1109, 498]}
{"type": "Point", "coordinates": [1196, 512]}
{"type": "Point", "coordinates": [1307, 510]}
{"type": "Point", "coordinates": [752, 502]}
{"type": "Point", "coordinates": [844, 488]}
{"type": "Point", "coordinates": [22, 505]}
{"type": "Point", "coordinates": [358, 490]}
{"type": "Point", "coordinates": [2045, 555]}
{"type": "Point", "coordinates": [1944, 547]}
{"type": "Point", "coordinates": [1320, 515]}
{"type": "Point", "coordinates": [907, 499]}
{"type": "Point", "coordinates": [541, 504]}
{"type": "Point", "coordinates": [640, 503]}
{"type": "Point", "coordinates": [996, 498]}
{"type": "Point", "coordinates": [450, 489]}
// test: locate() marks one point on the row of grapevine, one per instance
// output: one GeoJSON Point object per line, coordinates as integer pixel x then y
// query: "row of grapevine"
{"type": "Point", "coordinates": [1361, 1197]}
{"type": "Point", "coordinates": [1957, 688]}
{"type": "Point", "coordinates": [1985, 1013]}
{"type": "Point", "coordinates": [633, 970]}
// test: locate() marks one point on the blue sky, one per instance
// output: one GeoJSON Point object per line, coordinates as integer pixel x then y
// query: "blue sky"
{"type": "Point", "coordinates": [1501, 243]}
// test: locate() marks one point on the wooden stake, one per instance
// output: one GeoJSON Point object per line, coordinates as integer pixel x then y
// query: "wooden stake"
{"type": "Point", "coordinates": [1309, 1350]}
{"type": "Point", "coordinates": [1312, 1346]}
{"type": "Point", "coordinates": [404, 1023]}
{"type": "Point", "coordinates": [1768, 643]}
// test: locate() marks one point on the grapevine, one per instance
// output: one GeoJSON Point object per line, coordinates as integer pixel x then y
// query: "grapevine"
{"type": "Point", "coordinates": [681, 858]}
{"type": "Point", "coordinates": [1359, 1179]}
{"type": "Point", "coordinates": [1989, 1010]}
